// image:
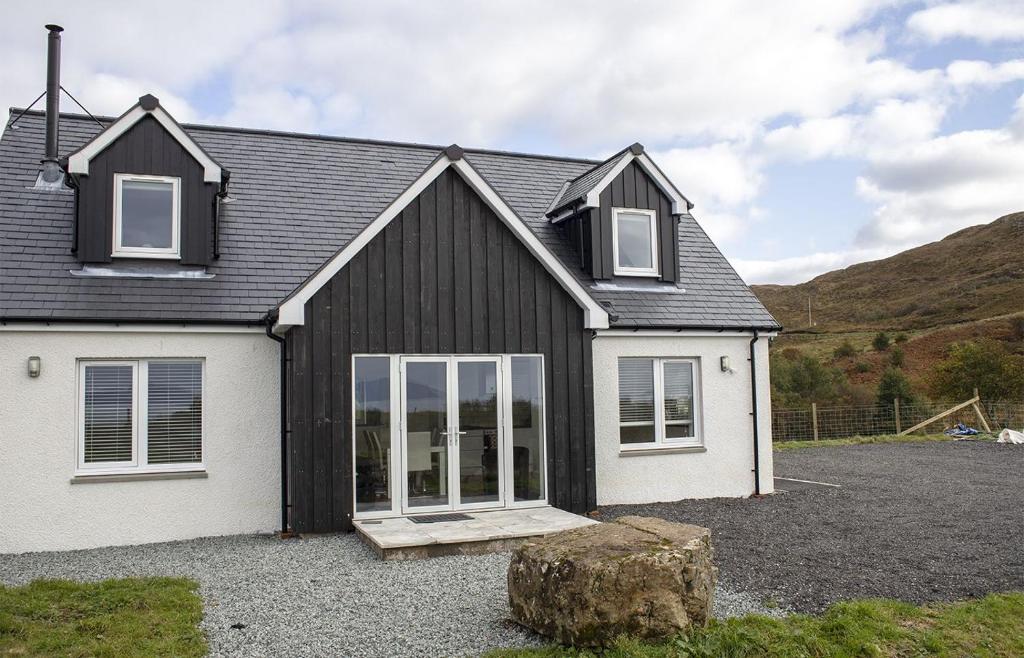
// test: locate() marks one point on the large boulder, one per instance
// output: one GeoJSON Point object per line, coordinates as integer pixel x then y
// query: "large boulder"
{"type": "Point", "coordinates": [635, 576]}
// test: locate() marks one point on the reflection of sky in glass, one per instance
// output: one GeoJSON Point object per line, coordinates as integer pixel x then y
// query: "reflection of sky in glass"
{"type": "Point", "coordinates": [146, 220]}
{"type": "Point", "coordinates": [634, 240]}
{"type": "Point", "coordinates": [373, 385]}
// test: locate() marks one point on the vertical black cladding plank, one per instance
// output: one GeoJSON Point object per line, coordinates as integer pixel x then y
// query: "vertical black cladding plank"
{"type": "Point", "coordinates": [395, 318]}
{"type": "Point", "coordinates": [320, 307]}
{"type": "Point", "coordinates": [365, 324]}
{"type": "Point", "coordinates": [428, 270]}
{"type": "Point", "coordinates": [560, 403]}
{"type": "Point", "coordinates": [478, 272]}
{"type": "Point", "coordinates": [341, 377]}
{"type": "Point", "coordinates": [300, 436]}
{"type": "Point", "coordinates": [642, 185]}
{"type": "Point", "coordinates": [587, 348]}
{"type": "Point", "coordinates": [411, 277]}
{"type": "Point", "coordinates": [494, 273]}
{"type": "Point", "coordinates": [628, 177]}
{"type": "Point", "coordinates": [607, 262]}
{"type": "Point", "coordinates": [542, 324]}
{"type": "Point", "coordinates": [463, 288]}
{"type": "Point", "coordinates": [510, 269]}
{"type": "Point", "coordinates": [445, 266]}
{"type": "Point", "coordinates": [667, 249]}
{"type": "Point", "coordinates": [374, 301]}
{"type": "Point", "coordinates": [574, 385]}
{"type": "Point", "coordinates": [527, 301]}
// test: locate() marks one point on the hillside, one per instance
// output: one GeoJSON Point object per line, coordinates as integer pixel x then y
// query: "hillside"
{"type": "Point", "coordinates": [973, 274]}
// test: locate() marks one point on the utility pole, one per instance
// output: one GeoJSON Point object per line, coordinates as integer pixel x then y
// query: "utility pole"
{"type": "Point", "coordinates": [810, 322]}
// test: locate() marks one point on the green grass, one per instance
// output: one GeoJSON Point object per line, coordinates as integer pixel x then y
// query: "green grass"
{"type": "Point", "coordinates": [115, 618]}
{"type": "Point", "coordinates": [859, 440]}
{"type": "Point", "coordinates": [988, 627]}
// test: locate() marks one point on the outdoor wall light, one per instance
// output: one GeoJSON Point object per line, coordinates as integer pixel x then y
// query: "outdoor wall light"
{"type": "Point", "coordinates": [724, 362]}
{"type": "Point", "coordinates": [35, 366]}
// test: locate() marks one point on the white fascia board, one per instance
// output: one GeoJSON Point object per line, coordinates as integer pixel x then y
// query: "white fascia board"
{"type": "Point", "coordinates": [593, 199]}
{"type": "Point", "coordinates": [292, 311]}
{"type": "Point", "coordinates": [130, 328]}
{"type": "Point", "coordinates": [739, 332]}
{"type": "Point", "coordinates": [78, 162]}
{"type": "Point", "coordinates": [679, 202]}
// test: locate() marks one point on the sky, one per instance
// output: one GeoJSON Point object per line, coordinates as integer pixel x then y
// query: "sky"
{"type": "Point", "coordinates": [809, 135]}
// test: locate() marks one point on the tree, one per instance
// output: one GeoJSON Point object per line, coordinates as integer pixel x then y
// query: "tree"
{"type": "Point", "coordinates": [894, 384]}
{"type": "Point", "coordinates": [798, 379]}
{"type": "Point", "coordinates": [845, 350]}
{"type": "Point", "coordinates": [881, 341]}
{"type": "Point", "coordinates": [984, 364]}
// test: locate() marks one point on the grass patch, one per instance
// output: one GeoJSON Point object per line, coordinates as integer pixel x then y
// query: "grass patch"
{"type": "Point", "coordinates": [989, 627]}
{"type": "Point", "coordinates": [860, 440]}
{"type": "Point", "coordinates": [115, 618]}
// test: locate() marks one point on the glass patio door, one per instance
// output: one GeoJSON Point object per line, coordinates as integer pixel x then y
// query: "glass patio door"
{"type": "Point", "coordinates": [451, 433]}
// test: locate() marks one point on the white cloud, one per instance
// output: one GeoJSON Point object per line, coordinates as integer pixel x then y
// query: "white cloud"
{"type": "Point", "coordinates": [798, 269]}
{"type": "Point", "coordinates": [984, 20]}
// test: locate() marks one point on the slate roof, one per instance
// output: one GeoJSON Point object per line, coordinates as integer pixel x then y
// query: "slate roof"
{"type": "Point", "coordinates": [582, 184]}
{"type": "Point", "coordinates": [298, 200]}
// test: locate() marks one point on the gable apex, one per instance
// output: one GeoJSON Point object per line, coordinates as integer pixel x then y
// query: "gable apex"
{"type": "Point", "coordinates": [291, 311]}
{"type": "Point", "coordinates": [148, 105]}
{"type": "Point", "coordinates": [585, 190]}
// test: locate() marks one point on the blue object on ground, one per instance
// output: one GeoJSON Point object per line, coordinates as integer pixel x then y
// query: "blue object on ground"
{"type": "Point", "coordinates": [961, 430]}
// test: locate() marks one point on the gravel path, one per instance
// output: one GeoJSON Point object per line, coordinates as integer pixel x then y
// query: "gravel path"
{"type": "Point", "coordinates": [323, 596]}
{"type": "Point", "coordinates": [914, 521]}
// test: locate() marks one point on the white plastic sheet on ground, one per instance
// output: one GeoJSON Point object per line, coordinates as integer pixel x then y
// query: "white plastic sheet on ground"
{"type": "Point", "coordinates": [1010, 436]}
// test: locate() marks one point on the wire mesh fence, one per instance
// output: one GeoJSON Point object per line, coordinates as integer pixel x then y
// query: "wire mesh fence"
{"type": "Point", "coordinates": [816, 422]}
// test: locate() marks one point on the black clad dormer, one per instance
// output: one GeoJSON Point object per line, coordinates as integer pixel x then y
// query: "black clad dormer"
{"type": "Point", "coordinates": [145, 189]}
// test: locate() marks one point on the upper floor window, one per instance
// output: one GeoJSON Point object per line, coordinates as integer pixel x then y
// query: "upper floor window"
{"type": "Point", "coordinates": [146, 216]}
{"type": "Point", "coordinates": [634, 241]}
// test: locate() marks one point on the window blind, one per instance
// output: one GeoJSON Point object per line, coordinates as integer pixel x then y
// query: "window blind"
{"type": "Point", "coordinates": [175, 412]}
{"type": "Point", "coordinates": [678, 391]}
{"type": "Point", "coordinates": [636, 391]}
{"type": "Point", "coordinates": [108, 420]}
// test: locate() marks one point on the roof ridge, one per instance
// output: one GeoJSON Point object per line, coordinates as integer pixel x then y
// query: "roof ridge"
{"type": "Point", "coordinates": [600, 164]}
{"type": "Point", "coordinates": [323, 137]}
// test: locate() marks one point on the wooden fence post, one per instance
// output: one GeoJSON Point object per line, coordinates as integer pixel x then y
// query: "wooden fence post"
{"type": "Point", "coordinates": [896, 410]}
{"type": "Point", "coordinates": [814, 419]}
{"type": "Point", "coordinates": [981, 416]}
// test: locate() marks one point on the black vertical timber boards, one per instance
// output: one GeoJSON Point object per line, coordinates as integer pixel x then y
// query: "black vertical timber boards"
{"type": "Point", "coordinates": [145, 148]}
{"type": "Point", "coordinates": [490, 295]}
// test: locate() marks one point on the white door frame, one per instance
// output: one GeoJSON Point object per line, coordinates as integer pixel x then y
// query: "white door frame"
{"type": "Point", "coordinates": [452, 462]}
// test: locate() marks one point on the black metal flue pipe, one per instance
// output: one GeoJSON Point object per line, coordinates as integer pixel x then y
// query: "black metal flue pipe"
{"type": "Point", "coordinates": [51, 168]}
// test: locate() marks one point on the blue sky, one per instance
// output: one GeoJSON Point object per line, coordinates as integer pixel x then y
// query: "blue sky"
{"type": "Point", "coordinates": [810, 135]}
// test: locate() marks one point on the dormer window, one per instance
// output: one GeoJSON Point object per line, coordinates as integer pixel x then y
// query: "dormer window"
{"type": "Point", "coordinates": [147, 216]}
{"type": "Point", "coordinates": [634, 242]}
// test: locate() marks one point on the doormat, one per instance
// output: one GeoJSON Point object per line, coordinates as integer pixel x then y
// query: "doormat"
{"type": "Point", "coordinates": [437, 518]}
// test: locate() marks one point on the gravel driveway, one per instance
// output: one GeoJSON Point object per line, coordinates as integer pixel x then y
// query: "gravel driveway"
{"type": "Point", "coordinates": [913, 521]}
{"type": "Point", "coordinates": [322, 596]}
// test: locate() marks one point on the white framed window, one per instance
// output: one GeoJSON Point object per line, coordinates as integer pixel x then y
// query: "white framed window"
{"type": "Point", "coordinates": [635, 241]}
{"type": "Point", "coordinates": [147, 216]}
{"type": "Point", "coordinates": [659, 402]}
{"type": "Point", "coordinates": [140, 416]}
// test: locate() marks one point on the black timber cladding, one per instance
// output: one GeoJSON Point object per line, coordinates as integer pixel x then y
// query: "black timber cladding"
{"type": "Point", "coordinates": [446, 276]}
{"type": "Point", "coordinates": [632, 188]}
{"type": "Point", "coordinates": [145, 148]}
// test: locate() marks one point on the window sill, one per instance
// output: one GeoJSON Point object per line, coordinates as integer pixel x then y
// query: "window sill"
{"type": "Point", "coordinates": [660, 450]}
{"type": "Point", "coordinates": [83, 478]}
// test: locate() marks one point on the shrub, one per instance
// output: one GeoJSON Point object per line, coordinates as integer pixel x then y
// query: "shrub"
{"type": "Point", "coordinates": [881, 341]}
{"type": "Point", "coordinates": [900, 337]}
{"type": "Point", "coordinates": [1017, 328]}
{"type": "Point", "coordinates": [845, 350]}
{"type": "Point", "coordinates": [894, 384]}
{"type": "Point", "coordinates": [862, 367]}
{"type": "Point", "coordinates": [798, 379]}
{"type": "Point", "coordinates": [984, 364]}
{"type": "Point", "coordinates": [896, 357]}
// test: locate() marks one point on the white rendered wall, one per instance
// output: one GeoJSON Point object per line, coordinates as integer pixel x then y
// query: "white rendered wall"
{"type": "Point", "coordinates": [42, 510]}
{"type": "Point", "coordinates": [726, 467]}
